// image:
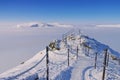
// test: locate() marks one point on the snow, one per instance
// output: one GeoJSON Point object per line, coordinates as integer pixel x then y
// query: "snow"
{"type": "Point", "coordinates": [81, 62]}
{"type": "Point", "coordinates": [80, 67]}
{"type": "Point", "coordinates": [25, 67]}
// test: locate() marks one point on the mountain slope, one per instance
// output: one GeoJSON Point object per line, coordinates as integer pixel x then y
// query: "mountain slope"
{"type": "Point", "coordinates": [71, 58]}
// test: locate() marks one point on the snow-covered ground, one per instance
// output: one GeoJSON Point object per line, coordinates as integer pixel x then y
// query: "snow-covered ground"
{"type": "Point", "coordinates": [82, 50]}
{"type": "Point", "coordinates": [20, 44]}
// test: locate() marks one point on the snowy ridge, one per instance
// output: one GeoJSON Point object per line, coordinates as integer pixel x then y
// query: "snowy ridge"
{"type": "Point", "coordinates": [99, 47]}
{"type": "Point", "coordinates": [82, 51]}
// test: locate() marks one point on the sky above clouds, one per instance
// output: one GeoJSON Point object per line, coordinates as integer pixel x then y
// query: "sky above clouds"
{"type": "Point", "coordinates": [64, 11]}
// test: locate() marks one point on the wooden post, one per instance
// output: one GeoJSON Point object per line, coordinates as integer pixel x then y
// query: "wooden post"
{"type": "Point", "coordinates": [63, 37]}
{"type": "Point", "coordinates": [68, 57]}
{"type": "Point", "coordinates": [66, 39]}
{"type": "Point", "coordinates": [77, 52]}
{"type": "Point", "coordinates": [95, 59]}
{"type": "Point", "coordinates": [47, 63]}
{"type": "Point", "coordinates": [107, 59]}
{"type": "Point", "coordinates": [104, 65]}
{"type": "Point", "coordinates": [88, 51]}
{"type": "Point", "coordinates": [119, 61]}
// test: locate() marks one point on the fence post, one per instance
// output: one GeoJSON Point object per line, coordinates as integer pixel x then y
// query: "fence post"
{"type": "Point", "coordinates": [47, 63]}
{"type": "Point", "coordinates": [63, 37]}
{"type": "Point", "coordinates": [88, 51]}
{"type": "Point", "coordinates": [77, 52]}
{"type": "Point", "coordinates": [66, 39]}
{"type": "Point", "coordinates": [119, 61]}
{"type": "Point", "coordinates": [104, 65]}
{"type": "Point", "coordinates": [107, 59]}
{"type": "Point", "coordinates": [95, 59]}
{"type": "Point", "coordinates": [79, 32]}
{"type": "Point", "coordinates": [68, 57]}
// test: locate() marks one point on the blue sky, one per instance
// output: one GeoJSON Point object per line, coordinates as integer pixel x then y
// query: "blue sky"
{"type": "Point", "coordinates": [65, 11]}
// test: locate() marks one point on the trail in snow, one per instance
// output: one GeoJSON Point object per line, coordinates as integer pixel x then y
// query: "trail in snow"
{"type": "Point", "coordinates": [78, 72]}
{"type": "Point", "coordinates": [84, 71]}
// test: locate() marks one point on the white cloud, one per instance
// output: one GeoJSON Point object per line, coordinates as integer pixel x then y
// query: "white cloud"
{"type": "Point", "coordinates": [39, 24]}
{"type": "Point", "coordinates": [109, 26]}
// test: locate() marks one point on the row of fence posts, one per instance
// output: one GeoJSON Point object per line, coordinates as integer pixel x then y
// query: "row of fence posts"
{"type": "Point", "coordinates": [106, 60]}
{"type": "Point", "coordinates": [47, 60]}
{"type": "Point", "coordinates": [105, 63]}
{"type": "Point", "coordinates": [69, 55]}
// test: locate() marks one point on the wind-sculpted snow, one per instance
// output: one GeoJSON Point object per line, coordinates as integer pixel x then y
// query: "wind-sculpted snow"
{"type": "Point", "coordinates": [97, 46]}
{"type": "Point", "coordinates": [65, 75]}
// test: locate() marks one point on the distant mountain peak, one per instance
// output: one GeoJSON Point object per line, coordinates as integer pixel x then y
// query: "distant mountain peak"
{"type": "Point", "coordinates": [40, 24]}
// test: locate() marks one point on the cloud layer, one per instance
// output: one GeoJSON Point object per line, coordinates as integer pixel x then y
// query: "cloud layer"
{"type": "Point", "coordinates": [109, 26]}
{"type": "Point", "coordinates": [39, 24]}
